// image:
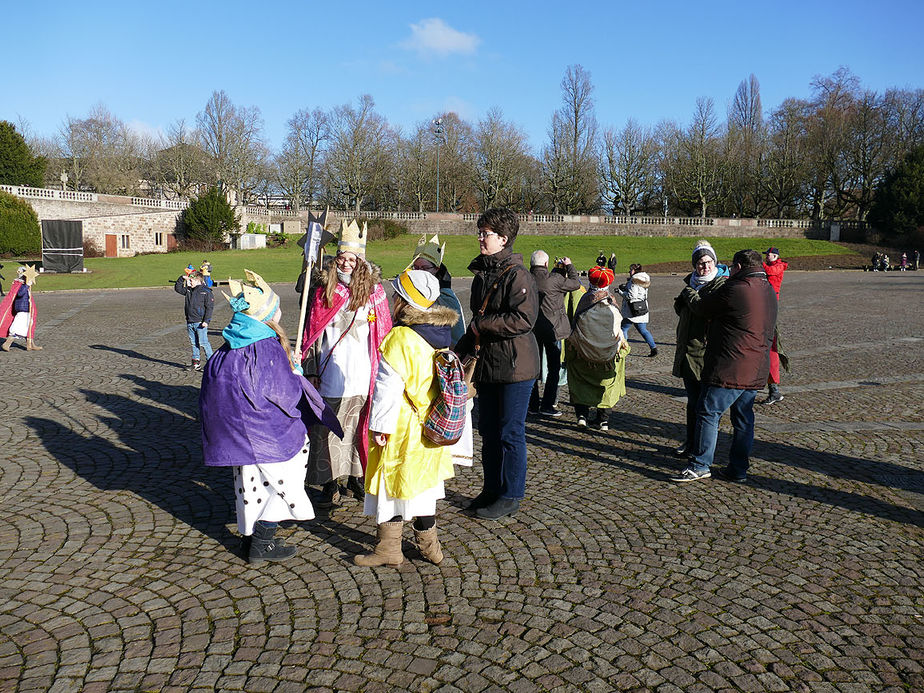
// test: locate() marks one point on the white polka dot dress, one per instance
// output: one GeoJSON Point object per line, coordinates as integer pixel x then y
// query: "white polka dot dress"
{"type": "Point", "coordinates": [272, 492]}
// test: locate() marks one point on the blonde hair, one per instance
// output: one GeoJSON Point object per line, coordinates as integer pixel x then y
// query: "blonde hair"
{"type": "Point", "coordinates": [283, 338]}
{"type": "Point", "coordinates": [360, 285]}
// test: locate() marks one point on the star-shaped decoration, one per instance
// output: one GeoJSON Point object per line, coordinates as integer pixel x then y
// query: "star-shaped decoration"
{"type": "Point", "coordinates": [30, 275]}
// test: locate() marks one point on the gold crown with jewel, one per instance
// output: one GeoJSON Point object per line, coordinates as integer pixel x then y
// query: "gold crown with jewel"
{"type": "Point", "coordinates": [262, 300]}
{"type": "Point", "coordinates": [431, 250]}
{"type": "Point", "coordinates": [352, 238]}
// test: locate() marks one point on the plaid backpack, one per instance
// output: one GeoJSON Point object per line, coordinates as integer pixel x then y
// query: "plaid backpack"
{"type": "Point", "coordinates": [446, 418]}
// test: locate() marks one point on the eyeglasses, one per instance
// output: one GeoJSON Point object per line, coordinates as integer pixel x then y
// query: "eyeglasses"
{"type": "Point", "coordinates": [703, 263]}
{"type": "Point", "coordinates": [484, 234]}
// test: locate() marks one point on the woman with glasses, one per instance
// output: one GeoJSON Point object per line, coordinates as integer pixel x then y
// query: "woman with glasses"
{"type": "Point", "coordinates": [505, 305]}
{"type": "Point", "coordinates": [706, 277]}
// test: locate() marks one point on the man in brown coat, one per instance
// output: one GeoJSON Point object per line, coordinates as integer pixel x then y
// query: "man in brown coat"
{"type": "Point", "coordinates": [742, 315]}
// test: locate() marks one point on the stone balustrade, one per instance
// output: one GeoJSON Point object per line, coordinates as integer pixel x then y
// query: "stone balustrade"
{"type": "Point", "coordinates": [49, 193]}
{"type": "Point", "coordinates": [162, 204]}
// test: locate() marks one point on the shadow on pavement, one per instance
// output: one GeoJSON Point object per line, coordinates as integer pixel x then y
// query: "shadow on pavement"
{"type": "Point", "coordinates": [131, 353]}
{"type": "Point", "coordinates": [630, 428]}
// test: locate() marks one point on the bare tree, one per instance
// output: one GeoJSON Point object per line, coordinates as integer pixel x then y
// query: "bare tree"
{"type": "Point", "coordinates": [233, 137]}
{"type": "Point", "coordinates": [744, 149]}
{"type": "Point", "coordinates": [628, 170]}
{"type": "Point", "coordinates": [826, 135]}
{"type": "Point", "coordinates": [456, 163]}
{"type": "Point", "coordinates": [415, 165]}
{"type": "Point", "coordinates": [181, 167]}
{"type": "Point", "coordinates": [356, 160]}
{"type": "Point", "coordinates": [785, 173]}
{"type": "Point", "coordinates": [866, 152]}
{"type": "Point", "coordinates": [102, 153]}
{"type": "Point", "coordinates": [694, 159]}
{"type": "Point", "coordinates": [298, 164]}
{"type": "Point", "coordinates": [500, 153]}
{"type": "Point", "coordinates": [570, 158]}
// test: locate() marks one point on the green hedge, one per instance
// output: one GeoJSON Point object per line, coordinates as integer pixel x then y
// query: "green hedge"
{"type": "Point", "coordinates": [20, 233]}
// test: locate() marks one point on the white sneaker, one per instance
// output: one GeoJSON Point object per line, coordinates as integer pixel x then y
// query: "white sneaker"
{"type": "Point", "coordinates": [690, 474]}
{"type": "Point", "coordinates": [582, 422]}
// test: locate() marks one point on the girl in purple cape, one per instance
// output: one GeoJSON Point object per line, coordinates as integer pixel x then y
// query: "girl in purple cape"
{"type": "Point", "coordinates": [256, 408]}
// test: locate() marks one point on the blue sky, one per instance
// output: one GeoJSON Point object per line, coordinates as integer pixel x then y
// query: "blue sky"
{"type": "Point", "coordinates": [152, 63]}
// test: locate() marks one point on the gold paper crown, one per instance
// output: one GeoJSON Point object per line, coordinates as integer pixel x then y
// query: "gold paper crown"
{"type": "Point", "coordinates": [262, 299]}
{"type": "Point", "coordinates": [352, 239]}
{"type": "Point", "coordinates": [430, 250]}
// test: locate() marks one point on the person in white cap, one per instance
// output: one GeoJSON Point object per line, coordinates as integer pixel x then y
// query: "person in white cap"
{"type": "Point", "coordinates": [705, 279]}
{"type": "Point", "coordinates": [347, 320]}
{"type": "Point", "coordinates": [405, 471]}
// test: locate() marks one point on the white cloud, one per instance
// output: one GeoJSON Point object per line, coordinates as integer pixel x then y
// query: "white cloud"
{"type": "Point", "coordinates": [434, 37]}
{"type": "Point", "coordinates": [144, 129]}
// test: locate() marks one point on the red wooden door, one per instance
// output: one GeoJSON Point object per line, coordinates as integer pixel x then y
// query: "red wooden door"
{"type": "Point", "coordinates": [112, 246]}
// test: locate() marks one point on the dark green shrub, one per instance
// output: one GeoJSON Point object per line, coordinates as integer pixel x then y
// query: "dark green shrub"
{"type": "Point", "coordinates": [210, 219]}
{"type": "Point", "coordinates": [383, 229]}
{"type": "Point", "coordinates": [899, 204]}
{"type": "Point", "coordinates": [17, 165]}
{"type": "Point", "coordinates": [20, 233]}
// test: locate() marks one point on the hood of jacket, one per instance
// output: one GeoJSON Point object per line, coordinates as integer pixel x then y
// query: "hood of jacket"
{"type": "Point", "coordinates": [641, 279]}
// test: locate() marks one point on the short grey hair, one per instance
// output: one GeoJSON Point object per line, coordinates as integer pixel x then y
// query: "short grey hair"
{"type": "Point", "coordinates": [539, 258]}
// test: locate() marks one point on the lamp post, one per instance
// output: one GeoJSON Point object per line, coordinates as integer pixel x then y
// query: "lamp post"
{"type": "Point", "coordinates": [438, 135]}
{"type": "Point", "coordinates": [665, 210]}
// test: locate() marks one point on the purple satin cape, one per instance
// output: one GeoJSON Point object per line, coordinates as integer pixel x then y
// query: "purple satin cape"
{"type": "Point", "coordinates": [254, 409]}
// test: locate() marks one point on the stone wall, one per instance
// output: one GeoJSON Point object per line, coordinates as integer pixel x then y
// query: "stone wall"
{"type": "Point", "coordinates": [142, 231]}
{"type": "Point", "coordinates": [453, 227]}
{"type": "Point", "coordinates": [111, 214]}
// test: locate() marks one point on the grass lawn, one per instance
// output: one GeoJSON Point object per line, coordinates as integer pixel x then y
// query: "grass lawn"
{"type": "Point", "coordinates": [284, 264]}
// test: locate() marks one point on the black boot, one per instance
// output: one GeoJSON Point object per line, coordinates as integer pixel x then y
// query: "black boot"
{"type": "Point", "coordinates": [330, 495]}
{"type": "Point", "coordinates": [356, 486]}
{"type": "Point", "coordinates": [263, 547]}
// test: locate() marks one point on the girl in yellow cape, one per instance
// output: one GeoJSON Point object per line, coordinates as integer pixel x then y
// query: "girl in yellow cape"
{"type": "Point", "coordinates": [405, 471]}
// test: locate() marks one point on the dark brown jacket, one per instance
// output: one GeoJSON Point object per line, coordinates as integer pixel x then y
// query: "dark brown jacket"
{"type": "Point", "coordinates": [552, 287]}
{"type": "Point", "coordinates": [742, 315]}
{"type": "Point", "coordinates": [509, 353]}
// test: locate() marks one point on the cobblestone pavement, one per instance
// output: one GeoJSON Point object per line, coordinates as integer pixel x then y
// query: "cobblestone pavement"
{"type": "Point", "coordinates": [120, 568]}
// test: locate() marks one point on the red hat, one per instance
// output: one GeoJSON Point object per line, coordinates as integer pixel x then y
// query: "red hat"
{"type": "Point", "coordinates": [601, 277]}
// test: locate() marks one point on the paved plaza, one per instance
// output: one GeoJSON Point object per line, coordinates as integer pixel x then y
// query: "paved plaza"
{"type": "Point", "coordinates": [120, 566]}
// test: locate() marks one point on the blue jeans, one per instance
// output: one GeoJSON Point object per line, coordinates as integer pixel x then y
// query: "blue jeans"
{"type": "Point", "coordinates": [642, 328]}
{"type": "Point", "coordinates": [199, 337]}
{"type": "Point", "coordinates": [502, 425]}
{"type": "Point", "coordinates": [713, 402]}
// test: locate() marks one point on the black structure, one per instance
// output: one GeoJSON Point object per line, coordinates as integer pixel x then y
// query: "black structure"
{"type": "Point", "coordinates": [62, 245]}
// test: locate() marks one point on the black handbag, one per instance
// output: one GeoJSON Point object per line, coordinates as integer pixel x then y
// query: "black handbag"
{"type": "Point", "coordinates": [638, 307]}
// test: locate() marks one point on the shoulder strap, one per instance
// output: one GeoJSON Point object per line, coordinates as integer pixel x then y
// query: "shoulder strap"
{"type": "Point", "coordinates": [493, 288]}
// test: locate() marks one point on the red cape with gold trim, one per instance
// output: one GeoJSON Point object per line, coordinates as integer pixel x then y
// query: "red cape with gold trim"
{"type": "Point", "coordinates": [6, 311]}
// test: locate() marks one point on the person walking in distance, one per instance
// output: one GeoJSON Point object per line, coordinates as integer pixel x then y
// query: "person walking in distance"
{"type": "Point", "coordinates": [635, 305]}
{"type": "Point", "coordinates": [741, 315]}
{"type": "Point", "coordinates": [552, 325]}
{"type": "Point", "coordinates": [774, 267]}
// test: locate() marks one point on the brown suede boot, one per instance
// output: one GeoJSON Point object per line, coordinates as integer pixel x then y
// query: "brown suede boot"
{"type": "Point", "coordinates": [429, 545]}
{"type": "Point", "coordinates": [388, 550]}
{"type": "Point", "coordinates": [6, 344]}
{"type": "Point", "coordinates": [30, 346]}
